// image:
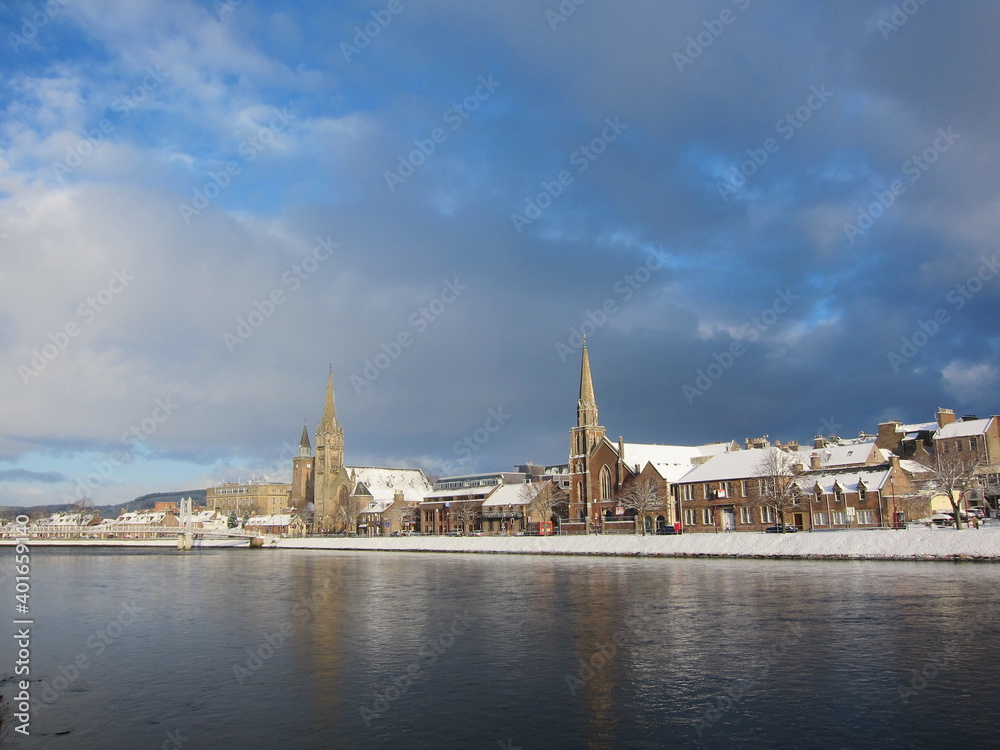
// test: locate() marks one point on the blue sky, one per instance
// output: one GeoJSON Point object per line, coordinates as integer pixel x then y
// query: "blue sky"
{"type": "Point", "coordinates": [771, 218]}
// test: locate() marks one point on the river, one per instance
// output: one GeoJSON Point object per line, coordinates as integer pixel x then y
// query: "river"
{"type": "Point", "coordinates": [316, 649]}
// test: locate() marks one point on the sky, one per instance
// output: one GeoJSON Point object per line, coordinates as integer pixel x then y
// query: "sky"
{"type": "Point", "coordinates": [768, 217]}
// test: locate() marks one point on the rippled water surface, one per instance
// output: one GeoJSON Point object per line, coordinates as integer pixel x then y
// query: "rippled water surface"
{"type": "Point", "coordinates": [310, 649]}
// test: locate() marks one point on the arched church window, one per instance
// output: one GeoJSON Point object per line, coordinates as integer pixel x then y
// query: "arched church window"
{"type": "Point", "coordinates": [605, 484]}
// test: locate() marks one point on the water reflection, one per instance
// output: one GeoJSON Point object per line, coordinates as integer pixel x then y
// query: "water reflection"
{"type": "Point", "coordinates": [290, 649]}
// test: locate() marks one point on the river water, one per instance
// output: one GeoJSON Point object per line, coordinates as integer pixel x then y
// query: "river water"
{"type": "Point", "coordinates": [314, 649]}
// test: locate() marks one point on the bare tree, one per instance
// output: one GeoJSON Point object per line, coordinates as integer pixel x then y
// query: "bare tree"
{"type": "Point", "coordinates": [776, 489]}
{"type": "Point", "coordinates": [539, 500]}
{"type": "Point", "coordinates": [465, 512]}
{"type": "Point", "coordinates": [349, 509]}
{"type": "Point", "coordinates": [83, 510]}
{"type": "Point", "coordinates": [952, 475]}
{"type": "Point", "coordinates": [405, 514]}
{"type": "Point", "coordinates": [643, 496]}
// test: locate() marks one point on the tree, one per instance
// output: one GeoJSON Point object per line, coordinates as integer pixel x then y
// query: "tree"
{"type": "Point", "coordinates": [465, 512]}
{"type": "Point", "coordinates": [952, 475]}
{"type": "Point", "coordinates": [540, 501]}
{"type": "Point", "coordinates": [232, 522]}
{"type": "Point", "coordinates": [83, 510]}
{"type": "Point", "coordinates": [408, 515]}
{"type": "Point", "coordinates": [349, 509]}
{"type": "Point", "coordinates": [642, 496]}
{"type": "Point", "coordinates": [775, 472]}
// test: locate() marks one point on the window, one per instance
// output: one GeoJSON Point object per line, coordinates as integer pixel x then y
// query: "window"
{"type": "Point", "coordinates": [767, 515]}
{"type": "Point", "coordinates": [746, 515]}
{"type": "Point", "coordinates": [958, 445]}
{"type": "Point", "coordinates": [866, 516]}
{"type": "Point", "coordinates": [947, 448]}
{"type": "Point", "coordinates": [862, 492]}
{"type": "Point", "coordinates": [819, 495]}
{"type": "Point", "coordinates": [819, 519]}
{"type": "Point", "coordinates": [687, 492]}
{"type": "Point", "coordinates": [605, 483]}
{"type": "Point", "coordinates": [745, 488]}
{"type": "Point", "coordinates": [839, 518]}
{"type": "Point", "coordinates": [707, 516]}
{"type": "Point", "coordinates": [973, 444]}
{"type": "Point", "coordinates": [838, 493]}
{"type": "Point", "coordinates": [690, 517]}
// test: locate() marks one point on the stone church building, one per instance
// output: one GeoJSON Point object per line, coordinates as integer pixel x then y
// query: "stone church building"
{"type": "Point", "coordinates": [337, 494]}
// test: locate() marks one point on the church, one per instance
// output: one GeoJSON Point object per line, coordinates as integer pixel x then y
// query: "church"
{"type": "Point", "coordinates": [602, 471]}
{"type": "Point", "coordinates": [336, 493]}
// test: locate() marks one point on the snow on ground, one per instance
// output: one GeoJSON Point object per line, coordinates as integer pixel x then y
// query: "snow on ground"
{"type": "Point", "coordinates": [914, 543]}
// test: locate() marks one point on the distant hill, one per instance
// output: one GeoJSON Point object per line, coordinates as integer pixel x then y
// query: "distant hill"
{"type": "Point", "coordinates": [143, 502]}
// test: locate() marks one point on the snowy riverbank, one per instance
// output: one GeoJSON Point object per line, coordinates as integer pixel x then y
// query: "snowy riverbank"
{"type": "Point", "coordinates": [915, 543]}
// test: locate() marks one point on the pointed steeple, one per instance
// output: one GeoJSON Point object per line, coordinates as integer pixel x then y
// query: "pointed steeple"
{"type": "Point", "coordinates": [329, 422]}
{"type": "Point", "coordinates": [586, 410]}
{"type": "Point", "coordinates": [305, 448]}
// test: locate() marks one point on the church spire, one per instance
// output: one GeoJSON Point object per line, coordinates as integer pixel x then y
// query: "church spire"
{"type": "Point", "coordinates": [305, 448]}
{"type": "Point", "coordinates": [329, 422]}
{"type": "Point", "coordinates": [586, 410]}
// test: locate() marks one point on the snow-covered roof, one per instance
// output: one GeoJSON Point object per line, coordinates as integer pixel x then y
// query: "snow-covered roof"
{"type": "Point", "coordinates": [671, 472]}
{"type": "Point", "coordinates": [461, 491]}
{"type": "Point", "coordinates": [382, 483]}
{"type": "Point", "coordinates": [66, 519]}
{"type": "Point", "coordinates": [847, 479]}
{"type": "Point", "coordinates": [283, 519]}
{"type": "Point", "coordinates": [671, 462]}
{"type": "Point", "coordinates": [912, 430]}
{"type": "Point", "coordinates": [728, 466]}
{"type": "Point", "coordinates": [378, 506]}
{"type": "Point", "coordinates": [968, 428]}
{"type": "Point", "coordinates": [676, 455]}
{"type": "Point", "coordinates": [912, 467]}
{"type": "Point", "coordinates": [514, 494]}
{"type": "Point", "coordinates": [848, 453]}
{"type": "Point", "coordinates": [141, 516]}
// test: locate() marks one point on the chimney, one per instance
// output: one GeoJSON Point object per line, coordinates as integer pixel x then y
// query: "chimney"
{"type": "Point", "coordinates": [945, 416]}
{"type": "Point", "coordinates": [798, 467]}
{"type": "Point", "coordinates": [819, 442]}
{"type": "Point", "coordinates": [814, 462]}
{"type": "Point", "coordinates": [889, 436]}
{"type": "Point", "coordinates": [894, 461]}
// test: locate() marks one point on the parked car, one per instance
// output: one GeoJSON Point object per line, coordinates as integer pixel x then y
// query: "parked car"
{"type": "Point", "coordinates": [776, 529]}
{"type": "Point", "coordinates": [476, 533]}
{"type": "Point", "coordinates": [667, 530]}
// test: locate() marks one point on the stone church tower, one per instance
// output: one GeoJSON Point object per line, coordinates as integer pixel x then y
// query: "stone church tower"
{"type": "Point", "coordinates": [584, 439]}
{"type": "Point", "coordinates": [332, 481]}
{"type": "Point", "coordinates": [303, 474]}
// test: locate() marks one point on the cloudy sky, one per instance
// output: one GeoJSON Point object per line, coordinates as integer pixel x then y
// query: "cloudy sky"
{"type": "Point", "coordinates": [771, 217]}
